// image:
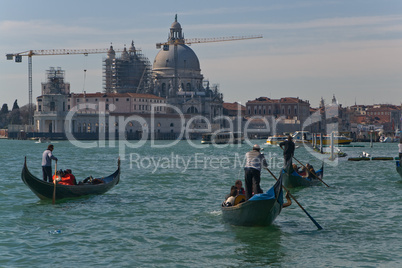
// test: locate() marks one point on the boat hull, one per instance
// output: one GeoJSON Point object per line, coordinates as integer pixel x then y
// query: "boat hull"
{"type": "Point", "coordinates": [44, 190]}
{"type": "Point", "coordinates": [259, 210]}
{"type": "Point", "coordinates": [399, 167]}
{"type": "Point", "coordinates": [292, 179]}
{"type": "Point", "coordinates": [252, 213]}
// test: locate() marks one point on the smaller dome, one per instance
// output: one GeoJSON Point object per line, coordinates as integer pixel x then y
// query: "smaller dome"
{"type": "Point", "coordinates": [175, 24]}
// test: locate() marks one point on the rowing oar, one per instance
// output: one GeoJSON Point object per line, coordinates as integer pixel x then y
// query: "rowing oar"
{"type": "Point", "coordinates": [54, 182]}
{"type": "Point", "coordinates": [315, 175]}
{"type": "Point", "coordinates": [311, 218]}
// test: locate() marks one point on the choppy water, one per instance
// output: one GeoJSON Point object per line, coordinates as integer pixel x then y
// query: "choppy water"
{"type": "Point", "coordinates": [169, 215]}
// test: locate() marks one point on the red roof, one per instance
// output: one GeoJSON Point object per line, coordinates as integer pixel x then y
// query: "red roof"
{"type": "Point", "coordinates": [233, 106]}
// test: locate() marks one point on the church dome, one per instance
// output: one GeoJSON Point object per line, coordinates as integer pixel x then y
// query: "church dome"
{"type": "Point", "coordinates": [186, 59]}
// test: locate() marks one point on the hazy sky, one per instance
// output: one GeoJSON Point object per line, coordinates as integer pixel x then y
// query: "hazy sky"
{"type": "Point", "coordinates": [309, 49]}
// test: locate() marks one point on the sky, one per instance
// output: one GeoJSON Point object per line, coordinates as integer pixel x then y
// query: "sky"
{"type": "Point", "coordinates": [310, 49]}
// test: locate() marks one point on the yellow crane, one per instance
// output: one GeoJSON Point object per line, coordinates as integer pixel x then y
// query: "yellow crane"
{"type": "Point", "coordinates": [47, 52]}
{"type": "Point", "coordinates": [206, 40]}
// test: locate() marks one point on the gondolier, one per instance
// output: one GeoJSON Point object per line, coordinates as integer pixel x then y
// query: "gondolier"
{"type": "Point", "coordinates": [47, 157]}
{"type": "Point", "coordinates": [252, 171]}
{"type": "Point", "coordinates": [288, 147]}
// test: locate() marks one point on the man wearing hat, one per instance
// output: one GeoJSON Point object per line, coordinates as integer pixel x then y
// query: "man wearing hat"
{"type": "Point", "coordinates": [252, 171]}
{"type": "Point", "coordinates": [288, 147]}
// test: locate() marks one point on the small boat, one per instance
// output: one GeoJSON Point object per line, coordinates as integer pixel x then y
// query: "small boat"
{"type": "Point", "coordinates": [44, 190]}
{"type": "Point", "coordinates": [292, 179]}
{"type": "Point", "coordinates": [259, 210]}
{"type": "Point", "coordinates": [276, 139]}
{"type": "Point", "coordinates": [385, 139]}
{"type": "Point", "coordinates": [399, 167]}
{"type": "Point", "coordinates": [222, 138]}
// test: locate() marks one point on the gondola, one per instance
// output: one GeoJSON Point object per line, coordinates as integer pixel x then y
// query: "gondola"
{"type": "Point", "coordinates": [292, 179]}
{"type": "Point", "coordinates": [259, 210]}
{"type": "Point", "coordinates": [44, 190]}
{"type": "Point", "coordinates": [399, 167]}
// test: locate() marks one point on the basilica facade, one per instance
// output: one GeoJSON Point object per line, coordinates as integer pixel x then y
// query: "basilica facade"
{"type": "Point", "coordinates": [173, 91]}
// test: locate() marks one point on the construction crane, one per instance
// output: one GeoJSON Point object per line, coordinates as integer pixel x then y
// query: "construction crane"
{"type": "Point", "coordinates": [206, 40]}
{"type": "Point", "coordinates": [176, 38]}
{"type": "Point", "coordinates": [47, 52]}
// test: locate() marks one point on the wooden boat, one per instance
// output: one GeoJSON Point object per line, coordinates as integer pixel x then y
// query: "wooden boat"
{"type": "Point", "coordinates": [292, 179]}
{"type": "Point", "coordinates": [44, 190]}
{"type": "Point", "coordinates": [399, 167]}
{"type": "Point", "coordinates": [259, 210]}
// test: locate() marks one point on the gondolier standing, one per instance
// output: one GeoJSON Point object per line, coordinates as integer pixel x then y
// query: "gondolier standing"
{"type": "Point", "coordinates": [252, 171]}
{"type": "Point", "coordinates": [288, 147]}
{"type": "Point", "coordinates": [400, 149]}
{"type": "Point", "coordinates": [47, 157]}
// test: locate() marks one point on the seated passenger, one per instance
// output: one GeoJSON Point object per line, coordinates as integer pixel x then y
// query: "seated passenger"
{"type": "Point", "coordinates": [239, 187]}
{"type": "Point", "coordinates": [66, 177]}
{"type": "Point", "coordinates": [230, 201]}
{"type": "Point", "coordinates": [311, 171]}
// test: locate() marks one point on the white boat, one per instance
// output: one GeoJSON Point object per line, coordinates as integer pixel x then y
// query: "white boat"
{"type": "Point", "coordinates": [222, 138]}
{"type": "Point", "coordinates": [276, 139]}
{"type": "Point", "coordinates": [385, 139]}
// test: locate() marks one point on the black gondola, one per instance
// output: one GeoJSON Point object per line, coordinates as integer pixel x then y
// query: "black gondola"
{"type": "Point", "coordinates": [44, 190]}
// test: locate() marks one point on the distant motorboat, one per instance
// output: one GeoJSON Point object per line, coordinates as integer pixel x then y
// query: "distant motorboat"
{"type": "Point", "coordinates": [42, 140]}
{"type": "Point", "coordinates": [385, 139]}
{"type": "Point", "coordinates": [276, 139]}
{"type": "Point", "coordinates": [222, 138]}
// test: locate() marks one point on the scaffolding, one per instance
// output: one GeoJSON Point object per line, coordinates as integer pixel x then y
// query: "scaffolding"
{"type": "Point", "coordinates": [131, 72]}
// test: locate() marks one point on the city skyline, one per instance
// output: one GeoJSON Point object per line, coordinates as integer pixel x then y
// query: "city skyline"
{"type": "Point", "coordinates": [309, 49]}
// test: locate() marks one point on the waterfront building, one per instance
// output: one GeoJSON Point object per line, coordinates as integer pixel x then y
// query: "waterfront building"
{"type": "Point", "coordinates": [284, 115]}
{"type": "Point", "coordinates": [95, 113]}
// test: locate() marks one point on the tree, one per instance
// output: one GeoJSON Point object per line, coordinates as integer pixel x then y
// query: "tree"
{"type": "Point", "coordinates": [4, 109]}
{"type": "Point", "coordinates": [15, 106]}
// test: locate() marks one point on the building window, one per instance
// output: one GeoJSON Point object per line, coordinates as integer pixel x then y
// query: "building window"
{"type": "Point", "coordinates": [117, 99]}
{"type": "Point", "coordinates": [52, 106]}
{"type": "Point", "coordinates": [39, 108]}
{"type": "Point", "coordinates": [78, 100]}
{"type": "Point", "coordinates": [127, 99]}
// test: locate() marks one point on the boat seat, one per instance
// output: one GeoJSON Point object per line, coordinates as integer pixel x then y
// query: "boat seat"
{"type": "Point", "coordinates": [239, 199]}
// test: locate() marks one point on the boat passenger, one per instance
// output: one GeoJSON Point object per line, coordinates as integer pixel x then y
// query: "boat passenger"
{"type": "Point", "coordinates": [252, 171]}
{"type": "Point", "coordinates": [47, 157]}
{"type": "Point", "coordinates": [65, 177]}
{"type": "Point", "coordinates": [239, 187]}
{"type": "Point", "coordinates": [311, 171]}
{"type": "Point", "coordinates": [230, 201]}
{"type": "Point", "coordinates": [296, 168]}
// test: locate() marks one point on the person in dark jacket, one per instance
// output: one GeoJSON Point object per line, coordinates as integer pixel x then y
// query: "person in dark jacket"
{"type": "Point", "coordinates": [288, 147]}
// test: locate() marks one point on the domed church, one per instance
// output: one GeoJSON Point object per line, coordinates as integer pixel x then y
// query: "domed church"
{"type": "Point", "coordinates": [176, 76]}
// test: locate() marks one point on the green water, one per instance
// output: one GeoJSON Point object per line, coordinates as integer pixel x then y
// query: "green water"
{"type": "Point", "coordinates": [167, 213]}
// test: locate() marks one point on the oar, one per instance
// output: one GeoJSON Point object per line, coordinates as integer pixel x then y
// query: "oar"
{"type": "Point", "coordinates": [315, 175]}
{"type": "Point", "coordinates": [311, 218]}
{"type": "Point", "coordinates": [54, 182]}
